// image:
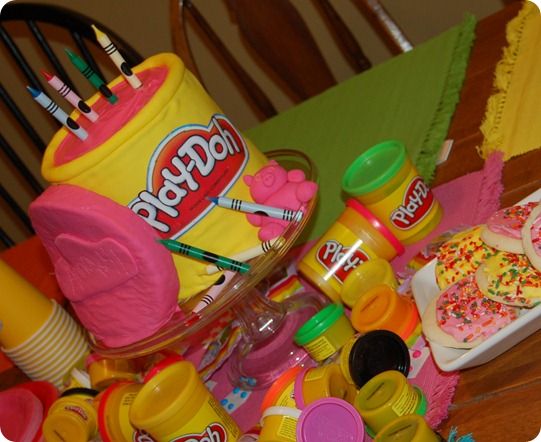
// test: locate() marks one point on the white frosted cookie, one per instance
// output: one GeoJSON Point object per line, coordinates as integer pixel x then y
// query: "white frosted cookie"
{"type": "Point", "coordinates": [462, 317]}
{"type": "Point", "coordinates": [503, 230]}
{"type": "Point", "coordinates": [461, 256]}
{"type": "Point", "coordinates": [531, 237]}
{"type": "Point", "coordinates": [510, 278]}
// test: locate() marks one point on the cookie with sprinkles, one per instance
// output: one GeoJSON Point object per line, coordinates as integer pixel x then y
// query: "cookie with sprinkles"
{"type": "Point", "coordinates": [461, 256]}
{"type": "Point", "coordinates": [531, 237]}
{"type": "Point", "coordinates": [503, 229]}
{"type": "Point", "coordinates": [462, 317]}
{"type": "Point", "coordinates": [511, 279]}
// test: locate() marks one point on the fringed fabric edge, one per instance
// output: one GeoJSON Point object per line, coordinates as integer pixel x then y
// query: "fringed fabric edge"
{"type": "Point", "coordinates": [492, 121]}
{"type": "Point", "coordinates": [449, 99]}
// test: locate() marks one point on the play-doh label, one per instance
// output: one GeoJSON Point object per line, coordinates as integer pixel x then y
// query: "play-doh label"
{"type": "Point", "coordinates": [191, 163]}
{"type": "Point", "coordinates": [213, 433]}
{"type": "Point", "coordinates": [338, 259]}
{"type": "Point", "coordinates": [416, 204]}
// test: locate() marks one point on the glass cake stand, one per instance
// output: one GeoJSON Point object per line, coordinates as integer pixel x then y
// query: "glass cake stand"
{"type": "Point", "coordinates": [266, 348]}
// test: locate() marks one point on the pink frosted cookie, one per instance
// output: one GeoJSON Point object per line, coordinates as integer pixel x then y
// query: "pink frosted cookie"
{"type": "Point", "coordinates": [121, 283]}
{"type": "Point", "coordinates": [531, 238]}
{"type": "Point", "coordinates": [510, 278]}
{"type": "Point", "coordinates": [460, 256]}
{"type": "Point", "coordinates": [503, 229]}
{"type": "Point", "coordinates": [462, 317]}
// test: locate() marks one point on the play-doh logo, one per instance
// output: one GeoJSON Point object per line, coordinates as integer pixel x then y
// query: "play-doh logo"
{"type": "Point", "coordinates": [142, 436]}
{"type": "Point", "coordinates": [191, 163]}
{"type": "Point", "coordinates": [338, 259]}
{"type": "Point", "coordinates": [215, 432]}
{"type": "Point", "coordinates": [418, 201]}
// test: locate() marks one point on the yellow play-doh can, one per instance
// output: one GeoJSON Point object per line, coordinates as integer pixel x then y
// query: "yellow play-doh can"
{"type": "Point", "coordinates": [279, 424]}
{"type": "Point", "coordinates": [385, 180]}
{"type": "Point", "coordinates": [325, 333]}
{"type": "Point", "coordinates": [175, 403]}
{"type": "Point", "coordinates": [387, 396]}
{"type": "Point", "coordinates": [356, 237]}
{"type": "Point", "coordinates": [408, 428]}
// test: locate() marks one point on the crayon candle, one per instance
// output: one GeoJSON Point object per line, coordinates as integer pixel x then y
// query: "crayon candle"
{"type": "Point", "coordinates": [92, 77]}
{"type": "Point", "coordinates": [64, 90]}
{"type": "Point", "coordinates": [53, 108]}
{"type": "Point", "coordinates": [116, 56]}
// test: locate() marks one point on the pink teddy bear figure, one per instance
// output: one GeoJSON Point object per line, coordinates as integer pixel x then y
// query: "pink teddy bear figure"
{"type": "Point", "coordinates": [274, 186]}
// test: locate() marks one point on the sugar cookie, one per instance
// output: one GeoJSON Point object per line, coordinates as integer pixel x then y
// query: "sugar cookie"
{"type": "Point", "coordinates": [461, 256]}
{"type": "Point", "coordinates": [503, 230]}
{"type": "Point", "coordinates": [462, 317]}
{"type": "Point", "coordinates": [531, 238]}
{"type": "Point", "coordinates": [511, 279]}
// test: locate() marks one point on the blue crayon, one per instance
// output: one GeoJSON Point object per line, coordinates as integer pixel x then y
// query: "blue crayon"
{"type": "Point", "coordinates": [53, 108]}
{"type": "Point", "coordinates": [258, 209]}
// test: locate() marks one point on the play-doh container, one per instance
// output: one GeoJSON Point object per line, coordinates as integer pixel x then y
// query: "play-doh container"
{"type": "Point", "coordinates": [72, 417]}
{"type": "Point", "coordinates": [325, 333]}
{"type": "Point", "coordinates": [387, 396]}
{"type": "Point", "coordinates": [113, 405]}
{"type": "Point", "coordinates": [375, 352]}
{"type": "Point", "coordinates": [175, 403]}
{"type": "Point", "coordinates": [330, 419]}
{"type": "Point", "coordinates": [279, 424]}
{"type": "Point", "coordinates": [381, 308]}
{"type": "Point", "coordinates": [365, 277]}
{"type": "Point", "coordinates": [322, 382]}
{"type": "Point", "coordinates": [357, 236]}
{"type": "Point", "coordinates": [408, 428]}
{"type": "Point", "coordinates": [104, 372]}
{"type": "Point", "coordinates": [384, 179]}
{"type": "Point", "coordinates": [281, 393]}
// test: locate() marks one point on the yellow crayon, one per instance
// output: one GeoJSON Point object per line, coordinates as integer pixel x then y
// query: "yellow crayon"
{"type": "Point", "coordinates": [118, 60]}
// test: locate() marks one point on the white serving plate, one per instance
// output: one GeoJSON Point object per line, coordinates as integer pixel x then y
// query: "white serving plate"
{"type": "Point", "coordinates": [425, 288]}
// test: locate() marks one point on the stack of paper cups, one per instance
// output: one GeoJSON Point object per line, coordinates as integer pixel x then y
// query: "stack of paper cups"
{"type": "Point", "coordinates": [38, 335]}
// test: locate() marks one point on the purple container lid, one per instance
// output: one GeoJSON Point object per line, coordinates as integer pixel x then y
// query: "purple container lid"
{"type": "Point", "coordinates": [330, 419]}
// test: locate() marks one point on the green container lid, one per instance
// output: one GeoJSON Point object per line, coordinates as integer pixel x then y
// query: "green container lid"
{"type": "Point", "coordinates": [374, 168]}
{"type": "Point", "coordinates": [318, 324]}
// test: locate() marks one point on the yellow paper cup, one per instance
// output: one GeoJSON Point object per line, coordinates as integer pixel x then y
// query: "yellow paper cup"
{"type": "Point", "coordinates": [175, 403]}
{"type": "Point", "coordinates": [161, 150]}
{"type": "Point", "coordinates": [23, 309]}
{"type": "Point", "coordinates": [53, 350]}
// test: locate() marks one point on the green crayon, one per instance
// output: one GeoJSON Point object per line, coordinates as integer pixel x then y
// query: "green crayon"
{"type": "Point", "coordinates": [203, 255]}
{"type": "Point", "coordinates": [94, 78]}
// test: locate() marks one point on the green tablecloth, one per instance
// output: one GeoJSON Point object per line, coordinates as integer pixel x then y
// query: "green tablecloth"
{"type": "Point", "coordinates": [411, 98]}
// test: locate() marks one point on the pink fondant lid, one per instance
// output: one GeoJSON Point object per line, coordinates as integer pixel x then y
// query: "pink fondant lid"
{"type": "Point", "coordinates": [376, 223]}
{"type": "Point", "coordinates": [330, 419]}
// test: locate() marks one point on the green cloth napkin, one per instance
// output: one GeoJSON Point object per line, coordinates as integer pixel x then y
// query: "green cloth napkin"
{"type": "Point", "coordinates": [410, 98]}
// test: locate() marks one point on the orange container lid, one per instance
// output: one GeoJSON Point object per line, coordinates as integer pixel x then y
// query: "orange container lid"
{"type": "Point", "coordinates": [278, 386]}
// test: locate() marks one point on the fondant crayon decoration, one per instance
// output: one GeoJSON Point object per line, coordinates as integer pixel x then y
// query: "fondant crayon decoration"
{"type": "Point", "coordinates": [53, 108]}
{"type": "Point", "coordinates": [246, 255]}
{"type": "Point", "coordinates": [258, 209]}
{"type": "Point", "coordinates": [92, 77]}
{"type": "Point", "coordinates": [203, 255]}
{"type": "Point", "coordinates": [214, 291]}
{"type": "Point", "coordinates": [64, 90]}
{"type": "Point", "coordinates": [113, 52]}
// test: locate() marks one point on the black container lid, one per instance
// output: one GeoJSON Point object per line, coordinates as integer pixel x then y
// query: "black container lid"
{"type": "Point", "coordinates": [80, 390]}
{"type": "Point", "coordinates": [375, 352]}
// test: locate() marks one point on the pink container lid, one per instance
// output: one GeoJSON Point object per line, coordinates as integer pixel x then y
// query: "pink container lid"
{"type": "Point", "coordinates": [21, 414]}
{"type": "Point", "coordinates": [376, 223]}
{"type": "Point", "coordinates": [330, 419]}
{"type": "Point", "coordinates": [297, 388]}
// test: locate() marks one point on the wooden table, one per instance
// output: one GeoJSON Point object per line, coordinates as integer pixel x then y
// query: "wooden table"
{"type": "Point", "coordinates": [500, 400]}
